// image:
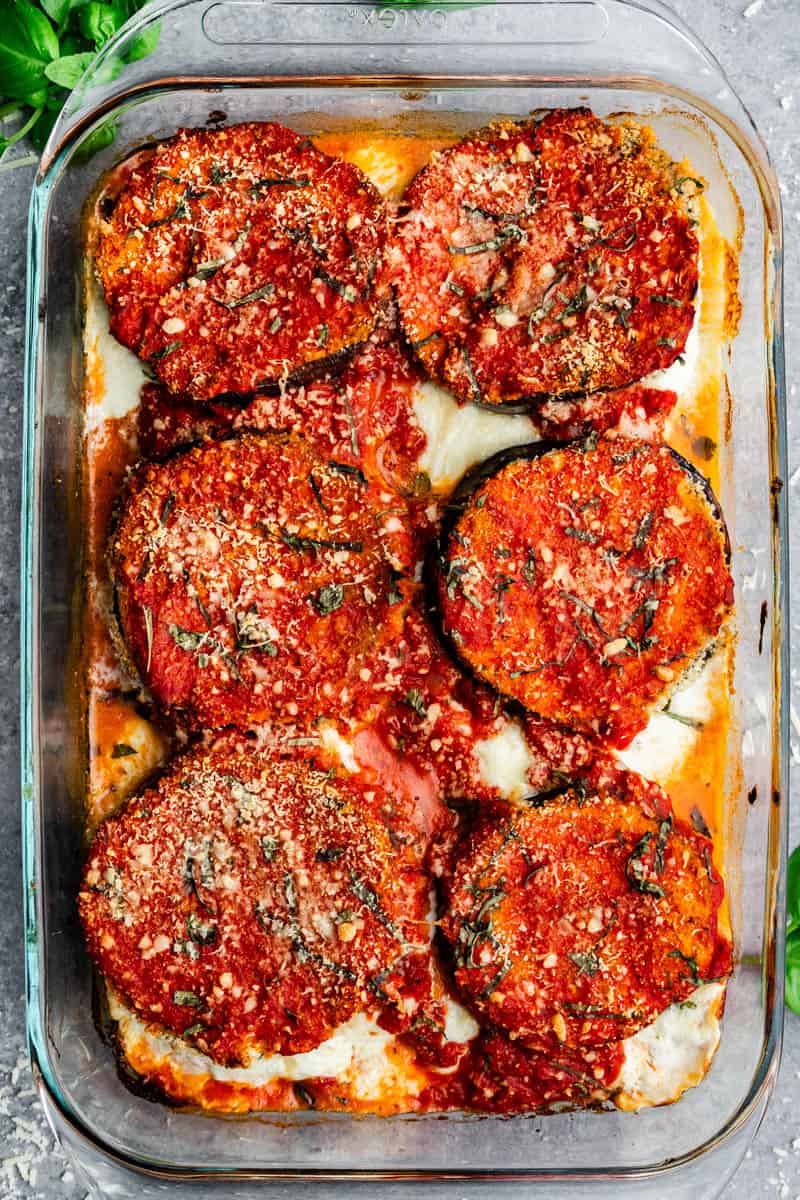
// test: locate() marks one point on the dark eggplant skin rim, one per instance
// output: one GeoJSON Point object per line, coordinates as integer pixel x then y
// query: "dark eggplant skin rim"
{"type": "Point", "coordinates": [108, 1031]}
{"type": "Point", "coordinates": [312, 371]}
{"type": "Point", "coordinates": [306, 374]}
{"type": "Point", "coordinates": [529, 405]}
{"type": "Point", "coordinates": [460, 499]}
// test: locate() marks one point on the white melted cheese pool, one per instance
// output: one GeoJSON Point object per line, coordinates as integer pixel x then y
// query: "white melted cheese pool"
{"type": "Point", "coordinates": [358, 1054]}
{"type": "Point", "coordinates": [661, 1061]}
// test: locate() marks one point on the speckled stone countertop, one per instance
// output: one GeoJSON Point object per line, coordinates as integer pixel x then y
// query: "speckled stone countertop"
{"type": "Point", "coordinates": [758, 44]}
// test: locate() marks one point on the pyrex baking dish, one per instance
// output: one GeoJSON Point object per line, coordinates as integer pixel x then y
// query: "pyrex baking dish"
{"type": "Point", "coordinates": [331, 65]}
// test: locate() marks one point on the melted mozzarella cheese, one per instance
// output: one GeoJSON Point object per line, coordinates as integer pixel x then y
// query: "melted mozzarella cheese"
{"type": "Point", "coordinates": [357, 1053]}
{"type": "Point", "coordinates": [335, 744]}
{"type": "Point", "coordinates": [672, 1054]}
{"type": "Point", "coordinates": [459, 1024]}
{"type": "Point", "coordinates": [460, 436]}
{"type": "Point", "coordinates": [665, 742]}
{"type": "Point", "coordinates": [116, 373]}
{"type": "Point", "coordinates": [505, 761]}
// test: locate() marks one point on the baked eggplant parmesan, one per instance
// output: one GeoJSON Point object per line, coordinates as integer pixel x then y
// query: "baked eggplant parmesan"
{"type": "Point", "coordinates": [252, 578]}
{"type": "Point", "coordinates": [584, 581]}
{"type": "Point", "coordinates": [552, 257]}
{"type": "Point", "coordinates": [406, 863]}
{"type": "Point", "coordinates": [252, 905]}
{"type": "Point", "coordinates": [576, 918]}
{"type": "Point", "coordinates": [232, 258]}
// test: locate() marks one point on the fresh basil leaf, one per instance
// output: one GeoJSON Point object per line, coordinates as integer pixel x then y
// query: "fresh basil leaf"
{"type": "Point", "coordinates": [66, 72]}
{"type": "Point", "coordinates": [792, 990]}
{"type": "Point", "coordinates": [143, 43]}
{"type": "Point", "coordinates": [57, 10]}
{"type": "Point", "coordinates": [27, 45]}
{"type": "Point", "coordinates": [70, 43]}
{"type": "Point", "coordinates": [99, 22]}
{"type": "Point", "coordinates": [793, 892]}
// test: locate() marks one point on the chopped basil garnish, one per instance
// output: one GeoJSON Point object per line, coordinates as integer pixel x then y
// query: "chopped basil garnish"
{"type": "Point", "coordinates": [689, 722]}
{"type": "Point", "coordinates": [415, 700]}
{"type": "Point", "coordinates": [269, 848]}
{"type": "Point", "coordinates": [582, 535]}
{"type": "Point", "coordinates": [170, 348]}
{"type": "Point", "coordinates": [506, 234]}
{"type": "Point", "coordinates": [328, 598]}
{"type": "Point", "coordinates": [260, 293]}
{"type": "Point", "coordinates": [587, 963]}
{"type": "Point", "coordinates": [186, 639]}
{"type": "Point", "coordinates": [643, 531]}
{"type": "Point", "coordinates": [329, 854]}
{"type": "Point", "coordinates": [180, 212]}
{"type": "Point", "coordinates": [296, 542]}
{"type": "Point", "coordinates": [148, 629]}
{"type": "Point", "coordinates": [346, 290]}
{"type": "Point", "coordinates": [205, 933]}
{"type": "Point", "coordinates": [346, 469]}
{"type": "Point", "coordinates": [424, 341]}
{"type": "Point", "coordinates": [122, 750]}
{"type": "Point", "coordinates": [209, 268]}
{"type": "Point", "coordinates": [473, 382]}
{"type": "Point", "coordinates": [270, 181]}
{"type": "Point", "coordinates": [638, 871]}
{"type": "Point", "coordinates": [187, 1000]}
{"type": "Point", "coordinates": [691, 963]}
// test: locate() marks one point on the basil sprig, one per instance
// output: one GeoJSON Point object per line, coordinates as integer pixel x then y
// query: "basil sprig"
{"type": "Point", "coordinates": [45, 48]}
{"type": "Point", "coordinates": [793, 931]}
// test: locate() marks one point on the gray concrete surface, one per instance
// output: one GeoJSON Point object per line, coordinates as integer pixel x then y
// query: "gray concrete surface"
{"type": "Point", "coordinates": [758, 43]}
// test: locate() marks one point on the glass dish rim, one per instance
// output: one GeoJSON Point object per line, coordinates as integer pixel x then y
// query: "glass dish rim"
{"type": "Point", "coordinates": [32, 802]}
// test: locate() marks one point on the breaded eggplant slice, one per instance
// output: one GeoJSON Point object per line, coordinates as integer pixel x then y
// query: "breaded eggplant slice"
{"type": "Point", "coordinates": [584, 580]}
{"type": "Point", "coordinates": [576, 919]}
{"type": "Point", "coordinates": [251, 905]}
{"type": "Point", "coordinates": [548, 258]}
{"type": "Point", "coordinates": [362, 416]}
{"type": "Point", "coordinates": [253, 578]}
{"type": "Point", "coordinates": [235, 257]}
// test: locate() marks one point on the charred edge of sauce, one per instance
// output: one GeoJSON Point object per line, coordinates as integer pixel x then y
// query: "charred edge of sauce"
{"type": "Point", "coordinates": [762, 624]}
{"type": "Point", "coordinates": [141, 1086]}
{"type": "Point", "coordinates": [474, 478]}
{"type": "Point", "coordinates": [752, 795]}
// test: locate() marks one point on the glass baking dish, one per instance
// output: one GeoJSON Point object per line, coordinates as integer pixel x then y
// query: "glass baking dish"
{"type": "Point", "coordinates": [331, 65]}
